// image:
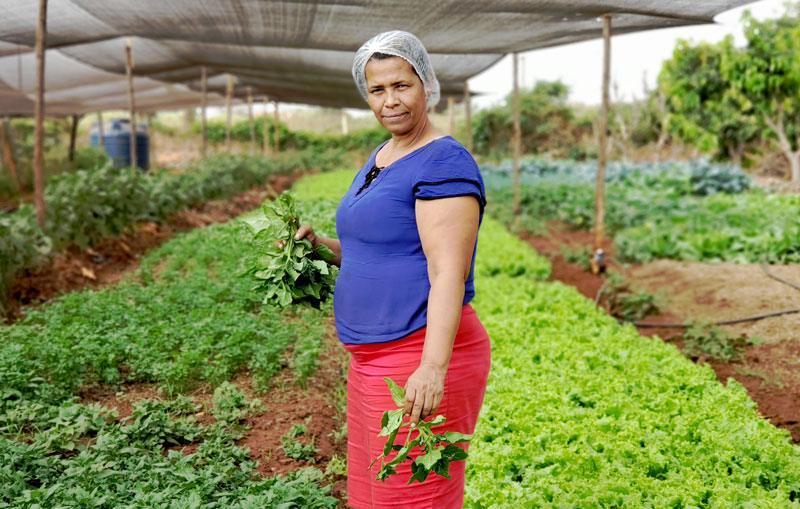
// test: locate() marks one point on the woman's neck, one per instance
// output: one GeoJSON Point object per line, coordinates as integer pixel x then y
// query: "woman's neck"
{"type": "Point", "coordinates": [402, 144]}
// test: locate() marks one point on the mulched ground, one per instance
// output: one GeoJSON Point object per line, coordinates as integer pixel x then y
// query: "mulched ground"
{"type": "Point", "coordinates": [770, 371]}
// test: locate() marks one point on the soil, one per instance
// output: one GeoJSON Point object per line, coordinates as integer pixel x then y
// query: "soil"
{"type": "Point", "coordinates": [117, 257]}
{"type": "Point", "coordinates": [769, 370]}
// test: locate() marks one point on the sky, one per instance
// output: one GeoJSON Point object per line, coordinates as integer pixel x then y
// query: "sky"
{"type": "Point", "coordinates": [634, 57]}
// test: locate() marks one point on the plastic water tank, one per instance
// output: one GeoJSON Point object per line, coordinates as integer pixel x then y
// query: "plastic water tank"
{"type": "Point", "coordinates": [117, 142]}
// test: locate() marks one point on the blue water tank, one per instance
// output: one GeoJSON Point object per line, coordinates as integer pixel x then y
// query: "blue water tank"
{"type": "Point", "coordinates": [117, 142]}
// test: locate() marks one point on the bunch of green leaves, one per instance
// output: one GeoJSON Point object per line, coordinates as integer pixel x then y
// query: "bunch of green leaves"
{"type": "Point", "coordinates": [295, 273]}
{"type": "Point", "coordinates": [438, 449]}
{"type": "Point", "coordinates": [703, 339]}
{"type": "Point", "coordinates": [295, 449]}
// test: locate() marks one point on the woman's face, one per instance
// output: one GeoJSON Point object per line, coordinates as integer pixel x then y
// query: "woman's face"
{"type": "Point", "coordinates": [395, 94]}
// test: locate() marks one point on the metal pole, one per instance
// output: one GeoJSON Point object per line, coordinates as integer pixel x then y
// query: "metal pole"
{"type": "Point", "coordinates": [229, 101]}
{"type": "Point", "coordinates": [38, 131]}
{"type": "Point", "coordinates": [203, 105]}
{"type": "Point", "coordinates": [252, 120]}
{"type": "Point", "coordinates": [517, 137]}
{"type": "Point", "coordinates": [265, 127]}
{"type": "Point", "coordinates": [598, 261]}
{"type": "Point", "coordinates": [468, 115]}
{"type": "Point", "coordinates": [131, 101]}
{"type": "Point", "coordinates": [277, 133]}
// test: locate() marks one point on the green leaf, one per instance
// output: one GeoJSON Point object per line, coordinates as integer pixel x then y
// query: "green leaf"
{"type": "Point", "coordinates": [398, 393]}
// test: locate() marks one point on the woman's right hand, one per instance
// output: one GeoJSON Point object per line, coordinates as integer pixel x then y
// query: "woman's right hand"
{"type": "Point", "coordinates": [305, 231]}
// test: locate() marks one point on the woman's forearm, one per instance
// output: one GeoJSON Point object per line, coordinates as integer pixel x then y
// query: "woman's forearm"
{"type": "Point", "coordinates": [444, 315]}
{"type": "Point", "coordinates": [333, 245]}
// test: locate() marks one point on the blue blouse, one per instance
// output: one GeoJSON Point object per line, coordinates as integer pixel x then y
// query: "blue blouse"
{"type": "Point", "coordinates": [382, 289]}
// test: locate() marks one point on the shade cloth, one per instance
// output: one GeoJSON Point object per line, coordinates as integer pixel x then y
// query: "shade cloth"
{"type": "Point", "coordinates": [293, 51]}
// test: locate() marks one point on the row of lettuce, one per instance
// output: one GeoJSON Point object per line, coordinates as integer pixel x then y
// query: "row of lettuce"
{"type": "Point", "coordinates": [186, 319]}
{"type": "Point", "coordinates": [86, 206]}
{"type": "Point", "coordinates": [581, 411]}
{"type": "Point", "coordinates": [685, 211]}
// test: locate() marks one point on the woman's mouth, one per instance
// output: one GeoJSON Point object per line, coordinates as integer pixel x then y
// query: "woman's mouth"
{"type": "Point", "coordinates": [394, 117]}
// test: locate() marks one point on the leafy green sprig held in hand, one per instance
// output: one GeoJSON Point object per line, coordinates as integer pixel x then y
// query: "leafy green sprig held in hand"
{"type": "Point", "coordinates": [296, 272]}
{"type": "Point", "coordinates": [438, 449]}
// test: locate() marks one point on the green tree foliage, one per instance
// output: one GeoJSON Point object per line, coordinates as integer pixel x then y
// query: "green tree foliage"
{"type": "Point", "coordinates": [767, 76]}
{"type": "Point", "coordinates": [546, 121]}
{"type": "Point", "coordinates": [704, 108]}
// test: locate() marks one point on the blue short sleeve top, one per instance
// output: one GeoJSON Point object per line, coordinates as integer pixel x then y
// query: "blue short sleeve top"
{"type": "Point", "coordinates": [382, 289]}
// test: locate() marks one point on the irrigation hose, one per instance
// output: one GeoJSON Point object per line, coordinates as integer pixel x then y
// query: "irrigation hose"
{"type": "Point", "coordinates": [723, 322]}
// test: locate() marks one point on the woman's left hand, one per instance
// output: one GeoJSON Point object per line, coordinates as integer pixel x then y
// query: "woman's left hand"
{"type": "Point", "coordinates": [424, 391]}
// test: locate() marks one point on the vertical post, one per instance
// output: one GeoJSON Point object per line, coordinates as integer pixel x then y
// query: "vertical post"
{"type": "Point", "coordinates": [73, 133]}
{"type": "Point", "coordinates": [265, 127]}
{"type": "Point", "coordinates": [101, 135]}
{"type": "Point", "coordinates": [151, 143]}
{"type": "Point", "coordinates": [131, 101]}
{"type": "Point", "coordinates": [8, 152]}
{"type": "Point", "coordinates": [229, 104]}
{"type": "Point", "coordinates": [517, 136]}
{"type": "Point", "coordinates": [468, 115]}
{"type": "Point", "coordinates": [203, 104]}
{"type": "Point", "coordinates": [598, 262]}
{"type": "Point", "coordinates": [451, 123]}
{"type": "Point", "coordinates": [38, 130]}
{"type": "Point", "coordinates": [277, 130]}
{"type": "Point", "coordinates": [345, 124]}
{"type": "Point", "coordinates": [252, 120]}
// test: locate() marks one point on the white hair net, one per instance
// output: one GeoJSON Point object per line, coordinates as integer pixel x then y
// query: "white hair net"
{"type": "Point", "coordinates": [400, 44]}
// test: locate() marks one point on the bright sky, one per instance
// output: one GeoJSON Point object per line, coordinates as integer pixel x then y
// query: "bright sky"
{"type": "Point", "coordinates": [633, 57]}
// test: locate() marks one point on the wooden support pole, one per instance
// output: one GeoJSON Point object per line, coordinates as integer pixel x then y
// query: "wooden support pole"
{"type": "Point", "coordinates": [345, 123]}
{"type": "Point", "coordinates": [38, 112]}
{"type": "Point", "coordinates": [229, 106]}
{"type": "Point", "coordinates": [516, 140]}
{"type": "Point", "coordinates": [598, 261]}
{"type": "Point", "coordinates": [265, 127]}
{"type": "Point", "coordinates": [277, 130]}
{"type": "Point", "coordinates": [203, 105]}
{"type": "Point", "coordinates": [451, 122]}
{"type": "Point", "coordinates": [73, 134]}
{"type": "Point", "coordinates": [8, 152]}
{"type": "Point", "coordinates": [101, 135]}
{"type": "Point", "coordinates": [468, 115]}
{"type": "Point", "coordinates": [131, 100]}
{"type": "Point", "coordinates": [252, 120]}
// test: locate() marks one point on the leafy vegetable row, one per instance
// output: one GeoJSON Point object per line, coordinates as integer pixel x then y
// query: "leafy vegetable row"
{"type": "Point", "coordinates": [86, 206]}
{"type": "Point", "coordinates": [656, 217]}
{"type": "Point", "coordinates": [583, 412]}
{"type": "Point", "coordinates": [187, 317]}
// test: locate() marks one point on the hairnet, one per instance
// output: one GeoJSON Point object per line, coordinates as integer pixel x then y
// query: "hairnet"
{"type": "Point", "coordinates": [403, 45]}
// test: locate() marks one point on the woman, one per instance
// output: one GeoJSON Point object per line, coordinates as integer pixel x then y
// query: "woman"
{"type": "Point", "coordinates": [407, 231]}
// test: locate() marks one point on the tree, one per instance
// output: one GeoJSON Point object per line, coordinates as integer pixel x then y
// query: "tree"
{"type": "Point", "coordinates": [767, 77]}
{"type": "Point", "coordinates": [546, 121]}
{"type": "Point", "coordinates": [705, 109]}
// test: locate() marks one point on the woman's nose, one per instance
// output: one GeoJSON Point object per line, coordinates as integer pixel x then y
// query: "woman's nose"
{"type": "Point", "coordinates": [391, 98]}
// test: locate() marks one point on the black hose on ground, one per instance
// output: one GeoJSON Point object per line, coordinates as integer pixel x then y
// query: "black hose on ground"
{"type": "Point", "coordinates": [723, 322]}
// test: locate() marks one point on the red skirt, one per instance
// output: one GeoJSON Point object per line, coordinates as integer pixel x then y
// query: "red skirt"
{"type": "Point", "coordinates": [368, 396]}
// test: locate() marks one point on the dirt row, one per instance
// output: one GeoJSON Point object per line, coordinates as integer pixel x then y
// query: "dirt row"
{"type": "Point", "coordinates": [768, 370]}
